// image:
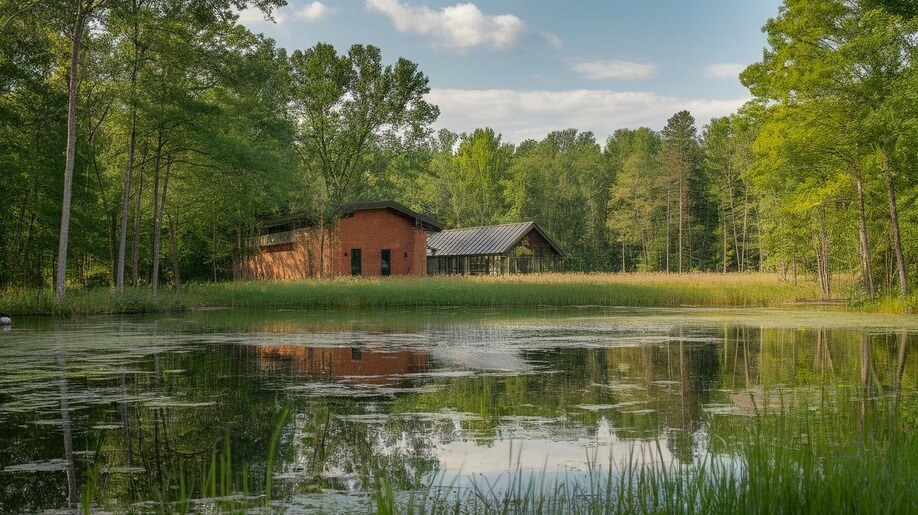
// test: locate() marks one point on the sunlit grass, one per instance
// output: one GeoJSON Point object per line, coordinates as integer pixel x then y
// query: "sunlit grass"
{"type": "Point", "coordinates": [633, 290]}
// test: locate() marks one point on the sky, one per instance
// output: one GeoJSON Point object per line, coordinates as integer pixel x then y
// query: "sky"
{"type": "Point", "coordinates": [528, 67]}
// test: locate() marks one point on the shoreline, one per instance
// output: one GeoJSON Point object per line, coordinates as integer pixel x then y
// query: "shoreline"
{"type": "Point", "coordinates": [548, 290]}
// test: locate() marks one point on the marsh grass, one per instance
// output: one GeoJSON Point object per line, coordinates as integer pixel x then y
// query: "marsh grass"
{"type": "Point", "coordinates": [860, 460]}
{"type": "Point", "coordinates": [211, 485]}
{"type": "Point", "coordinates": [847, 452]}
{"type": "Point", "coordinates": [629, 290]}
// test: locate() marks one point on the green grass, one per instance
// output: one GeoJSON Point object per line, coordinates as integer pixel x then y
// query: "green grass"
{"type": "Point", "coordinates": [803, 462]}
{"type": "Point", "coordinates": [894, 304]}
{"type": "Point", "coordinates": [634, 290]}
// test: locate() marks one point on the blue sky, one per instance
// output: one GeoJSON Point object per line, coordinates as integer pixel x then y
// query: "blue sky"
{"type": "Point", "coordinates": [526, 67]}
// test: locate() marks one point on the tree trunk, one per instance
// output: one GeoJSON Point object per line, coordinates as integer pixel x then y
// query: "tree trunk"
{"type": "Point", "coordinates": [61, 277]}
{"type": "Point", "coordinates": [128, 171]}
{"type": "Point", "coordinates": [158, 208]}
{"type": "Point", "coordinates": [669, 221]}
{"type": "Point", "coordinates": [173, 244]}
{"type": "Point", "coordinates": [894, 221]}
{"type": "Point", "coordinates": [745, 245]}
{"type": "Point", "coordinates": [213, 259]}
{"type": "Point", "coordinates": [623, 256]}
{"type": "Point", "coordinates": [736, 243]}
{"type": "Point", "coordinates": [822, 255]}
{"type": "Point", "coordinates": [126, 203]}
{"type": "Point", "coordinates": [135, 245]}
{"type": "Point", "coordinates": [156, 165]}
{"type": "Point", "coordinates": [646, 252]}
{"type": "Point", "coordinates": [866, 267]}
{"type": "Point", "coordinates": [681, 220]}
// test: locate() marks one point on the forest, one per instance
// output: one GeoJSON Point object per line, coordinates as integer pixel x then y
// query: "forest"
{"type": "Point", "coordinates": [141, 141]}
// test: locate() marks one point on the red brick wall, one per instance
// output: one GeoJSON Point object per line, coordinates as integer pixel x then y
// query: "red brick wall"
{"type": "Point", "coordinates": [308, 256]}
{"type": "Point", "coordinates": [368, 230]}
{"type": "Point", "coordinates": [373, 230]}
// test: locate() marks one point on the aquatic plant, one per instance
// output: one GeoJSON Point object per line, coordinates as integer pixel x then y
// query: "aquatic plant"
{"type": "Point", "coordinates": [863, 461]}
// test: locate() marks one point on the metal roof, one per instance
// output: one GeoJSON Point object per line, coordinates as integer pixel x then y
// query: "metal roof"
{"type": "Point", "coordinates": [487, 240]}
{"type": "Point", "coordinates": [428, 223]}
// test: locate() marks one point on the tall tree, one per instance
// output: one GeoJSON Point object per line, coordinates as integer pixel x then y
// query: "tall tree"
{"type": "Point", "coordinates": [680, 160]}
{"type": "Point", "coordinates": [843, 59]}
{"type": "Point", "coordinates": [635, 205]}
{"type": "Point", "coordinates": [347, 104]}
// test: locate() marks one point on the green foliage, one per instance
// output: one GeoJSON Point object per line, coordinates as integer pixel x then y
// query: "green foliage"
{"type": "Point", "coordinates": [218, 128]}
{"type": "Point", "coordinates": [829, 90]}
{"type": "Point", "coordinates": [347, 106]}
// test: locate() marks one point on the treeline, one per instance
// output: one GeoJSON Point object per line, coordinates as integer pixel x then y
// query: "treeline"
{"type": "Point", "coordinates": [188, 129]}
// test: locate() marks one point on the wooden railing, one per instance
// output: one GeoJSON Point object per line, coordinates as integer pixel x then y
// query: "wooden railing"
{"type": "Point", "coordinates": [277, 238]}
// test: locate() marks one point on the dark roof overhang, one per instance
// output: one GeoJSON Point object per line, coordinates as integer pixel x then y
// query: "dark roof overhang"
{"type": "Point", "coordinates": [420, 220]}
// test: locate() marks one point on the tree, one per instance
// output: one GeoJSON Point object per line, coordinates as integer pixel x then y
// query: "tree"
{"type": "Point", "coordinates": [728, 157]}
{"type": "Point", "coordinates": [635, 206]}
{"type": "Point", "coordinates": [80, 14]}
{"type": "Point", "coordinates": [347, 104]}
{"type": "Point", "coordinates": [843, 58]}
{"type": "Point", "coordinates": [680, 162]}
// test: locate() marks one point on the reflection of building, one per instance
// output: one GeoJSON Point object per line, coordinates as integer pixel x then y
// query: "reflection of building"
{"type": "Point", "coordinates": [344, 363]}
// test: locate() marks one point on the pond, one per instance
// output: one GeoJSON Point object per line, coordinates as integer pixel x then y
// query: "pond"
{"type": "Point", "coordinates": [313, 411]}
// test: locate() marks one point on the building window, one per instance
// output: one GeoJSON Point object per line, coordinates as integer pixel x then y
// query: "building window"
{"type": "Point", "coordinates": [356, 268]}
{"type": "Point", "coordinates": [385, 262]}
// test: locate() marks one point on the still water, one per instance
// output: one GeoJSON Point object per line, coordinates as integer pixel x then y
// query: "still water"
{"type": "Point", "coordinates": [154, 414]}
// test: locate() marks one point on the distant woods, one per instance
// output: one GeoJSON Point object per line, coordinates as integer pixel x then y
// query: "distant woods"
{"type": "Point", "coordinates": [187, 129]}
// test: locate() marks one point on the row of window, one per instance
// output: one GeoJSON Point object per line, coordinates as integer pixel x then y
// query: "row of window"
{"type": "Point", "coordinates": [385, 262]}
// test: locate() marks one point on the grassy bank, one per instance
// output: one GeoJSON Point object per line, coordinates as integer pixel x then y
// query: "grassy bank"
{"type": "Point", "coordinates": [637, 290]}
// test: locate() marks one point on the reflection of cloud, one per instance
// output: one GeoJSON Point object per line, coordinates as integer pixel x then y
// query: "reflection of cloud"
{"type": "Point", "coordinates": [522, 114]}
{"type": "Point", "coordinates": [463, 459]}
{"type": "Point", "coordinates": [478, 358]}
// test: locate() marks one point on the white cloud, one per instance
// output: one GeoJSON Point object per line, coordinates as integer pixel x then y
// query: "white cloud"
{"type": "Point", "coordinates": [724, 70]}
{"type": "Point", "coordinates": [254, 16]}
{"type": "Point", "coordinates": [553, 39]}
{"type": "Point", "coordinates": [521, 114]}
{"type": "Point", "coordinates": [613, 69]}
{"type": "Point", "coordinates": [460, 27]}
{"type": "Point", "coordinates": [314, 11]}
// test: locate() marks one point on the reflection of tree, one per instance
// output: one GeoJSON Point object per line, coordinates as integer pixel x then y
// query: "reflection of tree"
{"type": "Point", "coordinates": [67, 430]}
{"type": "Point", "coordinates": [172, 413]}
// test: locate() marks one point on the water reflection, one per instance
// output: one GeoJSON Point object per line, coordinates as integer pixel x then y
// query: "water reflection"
{"type": "Point", "coordinates": [350, 364]}
{"type": "Point", "coordinates": [129, 413]}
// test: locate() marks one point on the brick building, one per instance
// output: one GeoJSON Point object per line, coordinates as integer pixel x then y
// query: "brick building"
{"type": "Point", "coordinates": [370, 238]}
{"type": "Point", "coordinates": [387, 238]}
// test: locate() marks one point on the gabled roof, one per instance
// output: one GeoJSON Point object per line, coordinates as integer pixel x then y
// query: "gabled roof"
{"type": "Point", "coordinates": [487, 240]}
{"type": "Point", "coordinates": [424, 221]}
